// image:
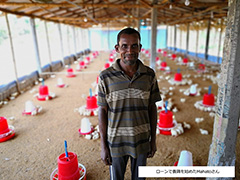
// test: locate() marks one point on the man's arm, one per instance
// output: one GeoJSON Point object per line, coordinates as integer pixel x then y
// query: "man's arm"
{"type": "Point", "coordinates": [153, 125]}
{"type": "Point", "coordinates": [103, 124]}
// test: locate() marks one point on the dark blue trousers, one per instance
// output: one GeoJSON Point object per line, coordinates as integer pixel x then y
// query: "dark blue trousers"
{"type": "Point", "coordinates": [119, 164]}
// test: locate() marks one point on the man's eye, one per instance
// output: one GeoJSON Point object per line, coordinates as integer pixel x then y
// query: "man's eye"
{"type": "Point", "coordinates": [124, 46]}
{"type": "Point", "coordinates": [135, 46]}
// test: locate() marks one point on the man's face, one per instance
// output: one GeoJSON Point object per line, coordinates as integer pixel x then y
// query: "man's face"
{"type": "Point", "coordinates": [129, 48]}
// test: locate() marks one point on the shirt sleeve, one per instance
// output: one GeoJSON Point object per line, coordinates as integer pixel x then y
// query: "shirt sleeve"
{"type": "Point", "coordinates": [101, 100]}
{"type": "Point", "coordinates": [155, 93]}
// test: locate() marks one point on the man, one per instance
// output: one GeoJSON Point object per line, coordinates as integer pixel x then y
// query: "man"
{"type": "Point", "coordinates": [127, 94]}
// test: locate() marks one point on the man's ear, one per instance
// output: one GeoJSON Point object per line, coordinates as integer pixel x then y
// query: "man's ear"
{"type": "Point", "coordinates": [140, 48]}
{"type": "Point", "coordinates": [117, 48]}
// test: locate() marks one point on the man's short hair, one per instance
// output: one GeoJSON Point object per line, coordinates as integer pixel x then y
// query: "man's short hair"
{"type": "Point", "coordinates": [128, 31]}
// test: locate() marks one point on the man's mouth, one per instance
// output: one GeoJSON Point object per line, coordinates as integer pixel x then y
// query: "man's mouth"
{"type": "Point", "coordinates": [130, 55]}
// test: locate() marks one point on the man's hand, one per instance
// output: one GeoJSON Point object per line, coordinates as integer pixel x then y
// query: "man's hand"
{"type": "Point", "coordinates": [153, 149]}
{"type": "Point", "coordinates": [106, 157]}
{"type": "Point", "coordinates": [153, 125]}
{"type": "Point", "coordinates": [103, 125]}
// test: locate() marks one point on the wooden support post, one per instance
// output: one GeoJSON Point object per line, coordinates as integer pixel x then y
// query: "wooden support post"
{"type": "Point", "coordinates": [222, 149]}
{"type": "Point", "coordinates": [80, 39]}
{"type": "Point", "coordinates": [68, 41]}
{"type": "Point", "coordinates": [13, 53]}
{"type": "Point", "coordinates": [77, 39]}
{"type": "Point", "coordinates": [48, 44]}
{"type": "Point", "coordinates": [187, 39]}
{"type": "Point", "coordinates": [197, 40]}
{"type": "Point", "coordinates": [153, 49]}
{"type": "Point", "coordinates": [74, 39]}
{"type": "Point", "coordinates": [34, 33]}
{"type": "Point", "coordinates": [175, 37]}
{"type": "Point", "coordinates": [138, 20]}
{"type": "Point", "coordinates": [167, 36]}
{"type": "Point", "coordinates": [220, 41]}
{"type": "Point", "coordinates": [89, 39]}
{"type": "Point", "coordinates": [108, 37]}
{"type": "Point", "coordinates": [83, 39]}
{"type": "Point", "coordinates": [138, 26]}
{"type": "Point", "coordinates": [171, 36]}
{"type": "Point", "coordinates": [61, 42]}
{"type": "Point", "coordinates": [207, 40]}
{"type": "Point", "coordinates": [180, 39]}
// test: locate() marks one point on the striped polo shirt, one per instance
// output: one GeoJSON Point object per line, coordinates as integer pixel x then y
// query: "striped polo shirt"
{"type": "Point", "coordinates": [128, 101]}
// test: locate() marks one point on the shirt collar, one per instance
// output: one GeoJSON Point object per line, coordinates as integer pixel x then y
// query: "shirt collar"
{"type": "Point", "coordinates": [141, 66]}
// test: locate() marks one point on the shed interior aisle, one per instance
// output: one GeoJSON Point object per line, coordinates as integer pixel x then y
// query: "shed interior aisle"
{"type": "Point", "coordinates": [39, 140]}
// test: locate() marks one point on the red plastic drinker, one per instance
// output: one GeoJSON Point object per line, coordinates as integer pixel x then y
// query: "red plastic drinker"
{"type": "Point", "coordinates": [91, 102]}
{"type": "Point", "coordinates": [82, 63]}
{"type": "Point", "coordinates": [163, 64]}
{"type": "Point", "coordinates": [178, 77]}
{"type": "Point", "coordinates": [164, 53]}
{"type": "Point", "coordinates": [174, 56]}
{"type": "Point", "coordinates": [68, 167]}
{"type": "Point", "coordinates": [43, 90]}
{"type": "Point", "coordinates": [70, 71]}
{"type": "Point", "coordinates": [165, 119]}
{"type": "Point", "coordinates": [3, 125]}
{"type": "Point", "coordinates": [201, 67]}
{"type": "Point", "coordinates": [111, 59]}
{"type": "Point", "coordinates": [185, 60]}
{"type": "Point", "coordinates": [208, 99]}
{"type": "Point", "coordinates": [106, 65]}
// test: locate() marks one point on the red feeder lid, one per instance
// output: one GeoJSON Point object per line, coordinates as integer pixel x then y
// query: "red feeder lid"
{"type": "Point", "coordinates": [174, 56]}
{"type": "Point", "coordinates": [185, 60]}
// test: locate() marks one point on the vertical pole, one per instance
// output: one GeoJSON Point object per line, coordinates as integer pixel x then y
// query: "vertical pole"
{"type": "Point", "coordinates": [48, 43]}
{"type": "Point", "coordinates": [153, 37]}
{"type": "Point", "coordinates": [219, 42]}
{"type": "Point", "coordinates": [83, 39]}
{"type": "Point", "coordinates": [74, 40]}
{"type": "Point", "coordinates": [80, 39]}
{"type": "Point", "coordinates": [138, 25]}
{"type": "Point", "coordinates": [149, 38]}
{"type": "Point", "coordinates": [13, 53]}
{"type": "Point", "coordinates": [180, 43]}
{"type": "Point", "coordinates": [89, 39]}
{"type": "Point", "coordinates": [61, 42]}
{"type": "Point", "coordinates": [207, 40]}
{"type": "Point", "coordinates": [175, 37]}
{"type": "Point", "coordinates": [68, 41]}
{"type": "Point", "coordinates": [32, 21]}
{"type": "Point", "coordinates": [86, 39]}
{"type": "Point", "coordinates": [77, 39]}
{"type": "Point", "coordinates": [171, 37]}
{"type": "Point", "coordinates": [167, 36]}
{"type": "Point", "coordinates": [187, 39]}
{"type": "Point", "coordinates": [108, 37]}
{"type": "Point", "coordinates": [197, 39]}
{"type": "Point", "coordinates": [138, 20]}
{"type": "Point", "coordinates": [222, 149]}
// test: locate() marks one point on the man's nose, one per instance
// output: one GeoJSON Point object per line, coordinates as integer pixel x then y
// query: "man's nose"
{"type": "Point", "coordinates": [130, 49]}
